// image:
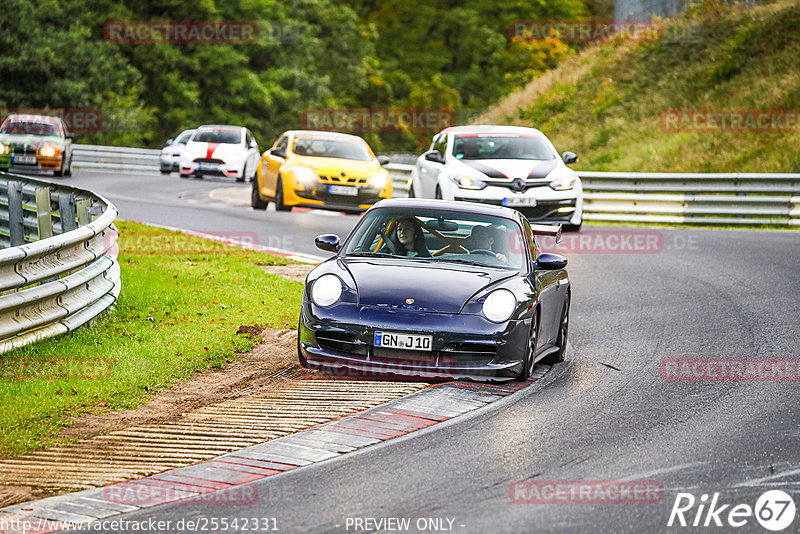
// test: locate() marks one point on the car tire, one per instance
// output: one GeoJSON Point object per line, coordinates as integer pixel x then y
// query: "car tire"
{"type": "Point", "coordinates": [279, 205]}
{"type": "Point", "coordinates": [438, 192]}
{"type": "Point", "coordinates": [184, 176]}
{"type": "Point", "coordinates": [165, 171]}
{"type": "Point", "coordinates": [529, 363]}
{"type": "Point", "coordinates": [68, 170]}
{"type": "Point", "coordinates": [563, 336]}
{"type": "Point", "coordinates": [573, 227]}
{"type": "Point", "coordinates": [255, 199]}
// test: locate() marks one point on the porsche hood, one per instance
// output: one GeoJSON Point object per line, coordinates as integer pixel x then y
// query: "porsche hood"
{"type": "Point", "coordinates": [444, 289]}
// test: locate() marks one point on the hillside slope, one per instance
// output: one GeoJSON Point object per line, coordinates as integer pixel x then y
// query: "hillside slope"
{"type": "Point", "coordinates": [608, 103]}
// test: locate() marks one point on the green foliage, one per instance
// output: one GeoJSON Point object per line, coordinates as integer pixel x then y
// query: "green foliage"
{"type": "Point", "coordinates": [309, 54]}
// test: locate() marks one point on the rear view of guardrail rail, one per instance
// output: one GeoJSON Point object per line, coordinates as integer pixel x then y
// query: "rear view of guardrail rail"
{"type": "Point", "coordinates": [677, 198]}
{"type": "Point", "coordinates": [58, 264]}
{"type": "Point", "coordinates": [115, 158]}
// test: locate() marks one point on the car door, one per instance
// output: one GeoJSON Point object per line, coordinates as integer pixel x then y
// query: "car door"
{"type": "Point", "coordinates": [252, 154]}
{"type": "Point", "coordinates": [428, 171]}
{"type": "Point", "coordinates": [546, 281]}
{"type": "Point", "coordinates": [271, 166]}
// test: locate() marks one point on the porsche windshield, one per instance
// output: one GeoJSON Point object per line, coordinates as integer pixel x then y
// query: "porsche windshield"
{"type": "Point", "coordinates": [502, 146]}
{"type": "Point", "coordinates": [439, 236]}
{"type": "Point", "coordinates": [331, 148]}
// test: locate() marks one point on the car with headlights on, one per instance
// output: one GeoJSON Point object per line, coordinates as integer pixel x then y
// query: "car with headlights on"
{"type": "Point", "coordinates": [220, 150]}
{"type": "Point", "coordinates": [318, 169]}
{"type": "Point", "coordinates": [36, 142]}
{"type": "Point", "coordinates": [435, 290]}
{"type": "Point", "coordinates": [502, 165]}
{"type": "Point", "coordinates": [170, 158]}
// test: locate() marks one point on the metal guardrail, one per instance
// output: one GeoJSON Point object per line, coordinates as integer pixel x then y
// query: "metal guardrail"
{"type": "Point", "coordinates": [675, 198]}
{"type": "Point", "coordinates": [678, 198]}
{"type": "Point", "coordinates": [58, 267]}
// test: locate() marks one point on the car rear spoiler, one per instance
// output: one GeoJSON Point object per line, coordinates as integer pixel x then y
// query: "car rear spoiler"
{"type": "Point", "coordinates": [547, 229]}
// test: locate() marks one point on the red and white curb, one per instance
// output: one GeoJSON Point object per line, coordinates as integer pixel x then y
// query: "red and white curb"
{"type": "Point", "coordinates": [229, 478]}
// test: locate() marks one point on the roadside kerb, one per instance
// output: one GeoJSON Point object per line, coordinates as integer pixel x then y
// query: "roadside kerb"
{"type": "Point", "coordinates": [329, 440]}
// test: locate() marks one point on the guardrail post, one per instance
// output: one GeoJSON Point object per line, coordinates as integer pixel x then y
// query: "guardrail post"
{"type": "Point", "coordinates": [66, 208]}
{"type": "Point", "coordinates": [16, 230]}
{"type": "Point", "coordinates": [44, 219]}
{"type": "Point", "coordinates": [83, 214]}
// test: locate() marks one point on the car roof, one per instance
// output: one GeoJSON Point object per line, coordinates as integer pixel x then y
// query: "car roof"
{"type": "Point", "coordinates": [450, 205]}
{"type": "Point", "coordinates": [324, 133]}
{"type": "Point", "coordinates": [221, 126]}
{"type": "Point", "coordinates": [491, 128]}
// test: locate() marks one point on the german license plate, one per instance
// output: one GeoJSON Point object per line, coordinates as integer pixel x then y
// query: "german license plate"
{"type": "Point", "coordinates": [344, 190]}
{"type": "Point", "coordinates": [25, 159]}
{"type": "Point", "coordinates": [519, 201]}
{"type": "Point", "coordinates": [208, 166]}
{"type": "Point", "coordinates": [396, 340]}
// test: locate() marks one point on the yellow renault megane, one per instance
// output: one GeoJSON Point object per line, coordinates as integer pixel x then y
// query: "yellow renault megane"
{"type": "Point", "coordinates": [320, 170]}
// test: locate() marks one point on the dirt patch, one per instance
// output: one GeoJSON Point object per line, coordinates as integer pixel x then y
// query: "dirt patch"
{"type": "Point", "coordinates": [296, 272]}
{"type": "Point", "coordinates": [270, 365]}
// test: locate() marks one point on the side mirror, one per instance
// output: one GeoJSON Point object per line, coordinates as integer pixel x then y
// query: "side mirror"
{"type": "Point", "coordinates": [569, 157]}
{"type": "Point", "coordinates": [383, 160]}
{"type": "Point", "coordinates": [434, 156]}
{"type": "Point", "coordinates": [69, 135]}
{"type": "Point", "coordinates": [278, 152]}
{"type": "Point", "coordinates": [169, 142]}
{"type": "Point", "coordinates": [328, 242]}
{"type": "Point", "coordinates": [550, 262]}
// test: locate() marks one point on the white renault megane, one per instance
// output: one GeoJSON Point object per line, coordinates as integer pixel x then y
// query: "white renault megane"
{"type": "Point", "coordinates": [220, 150]}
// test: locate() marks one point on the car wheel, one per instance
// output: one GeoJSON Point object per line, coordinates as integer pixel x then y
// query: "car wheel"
{"type": "Point", "coordinates": [68, 170]}
{"type": "Point", "coordinates": [279, 205]}
{"type": "Point", "coordinates": [411, 189]}
{"type": "Point", "coordinates": [165, 171]}
{"type": "Point", "coordinates": [529, 363]}
{"type": "Point", "coordinates": [255, 198]}
{"type": "Point", "coordinates": [61, 172]}
{"type": "Point", "coordinates": [573, 227]}
{"type": "Point", "coordinates": [563, 334]}
{"type": "Point", "coordinates": [184, 176]}
{"type": "Point", "coordinates": [438, 192]}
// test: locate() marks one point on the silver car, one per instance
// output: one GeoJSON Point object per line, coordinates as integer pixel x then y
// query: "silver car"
{"type": "Point", "coordinates": [502, 165]}
{"type": "Point", "coordinates": [171, 153]}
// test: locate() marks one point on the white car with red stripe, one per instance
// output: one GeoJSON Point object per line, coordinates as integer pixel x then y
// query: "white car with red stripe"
{"type": "Point", "coordinates": [220, 150]}
{"type": "Point", "coordinates": [502, 165]}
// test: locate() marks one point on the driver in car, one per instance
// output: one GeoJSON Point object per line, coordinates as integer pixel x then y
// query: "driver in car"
{"type": "Point", "coordinates": [481, 239]}
{"type": "Point", "coordinates": [408, 235]}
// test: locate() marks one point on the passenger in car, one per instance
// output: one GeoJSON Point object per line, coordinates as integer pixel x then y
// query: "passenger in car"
{"type": "Point", "coordinates": [409, 240]}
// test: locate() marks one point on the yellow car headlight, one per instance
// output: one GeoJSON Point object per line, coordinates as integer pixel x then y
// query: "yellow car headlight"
{"type": "Point", "coordinates": [49, 151]}
{"type": "Point", "coordinates": [378, 180]}
{"type": "Point", "coordinates": [4, 149]}
{"type": "Point", "coordinates": [304, 175]}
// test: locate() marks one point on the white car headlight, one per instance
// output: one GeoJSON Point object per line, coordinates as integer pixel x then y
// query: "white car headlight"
{"type": "Point", "coordinates": [326, 290]}
{"type": "Point", "coordinates": [499, 306]}
{"type": "Point", "coordinates": [4, 149]}
{"type": "Point", "coordinates": [304, 175]}
{"type": "Point", "coordinates": [565, 182]}
{"type": "Point", "coordinates": [468, 182]}
{"type": "Point", "coordinates": [49, 151]}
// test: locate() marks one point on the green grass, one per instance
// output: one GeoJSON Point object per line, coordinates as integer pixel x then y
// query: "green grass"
{"type": "Point", "coordinates": [605, 104]}
{"type": "Point", "coordinates": [183, 299]}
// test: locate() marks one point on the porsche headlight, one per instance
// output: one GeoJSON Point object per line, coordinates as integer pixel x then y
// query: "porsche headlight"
{"type": "Point", "coordinates": [378, 180]}
{"type": "Point", "coordinates": [468, 182]}
{"type": "Point", "coordinates": [49, 151]}
{"type": "Point", "coordinates": [563, 183]}
{"type": "Point", "coordinates": [499, 306]}
{"type": "Point", "coordinates": [326, 290]}
{"type": "Point", "coordinates": [304, 175]}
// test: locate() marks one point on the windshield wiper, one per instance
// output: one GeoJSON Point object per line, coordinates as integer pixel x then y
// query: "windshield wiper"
{"type": "Point", "coordinates": [373, 254]}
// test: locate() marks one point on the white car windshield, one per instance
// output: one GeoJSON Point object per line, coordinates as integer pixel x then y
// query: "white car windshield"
{"type": "Point", "coordinates": [231, 137]}
{"type": "Point", "coordinates": [183, 137]}
{"type": "Point", "coordinates": [439, 236]}
{"type": "Point", "coordinates": [331, 148]}
{"type": "Point", "coordinates": [502, 146]}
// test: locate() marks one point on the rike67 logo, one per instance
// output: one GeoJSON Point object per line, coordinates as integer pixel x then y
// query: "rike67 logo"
{"type": "Point", "coordinates": [774, 510]}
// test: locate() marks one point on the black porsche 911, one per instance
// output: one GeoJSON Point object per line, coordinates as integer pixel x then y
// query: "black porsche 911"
{"type": "Point", "coordinates": [436, 290]}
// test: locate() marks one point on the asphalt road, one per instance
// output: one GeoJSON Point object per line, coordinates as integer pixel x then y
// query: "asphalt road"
{"type": "Point", "coordinates": [604, 414]}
